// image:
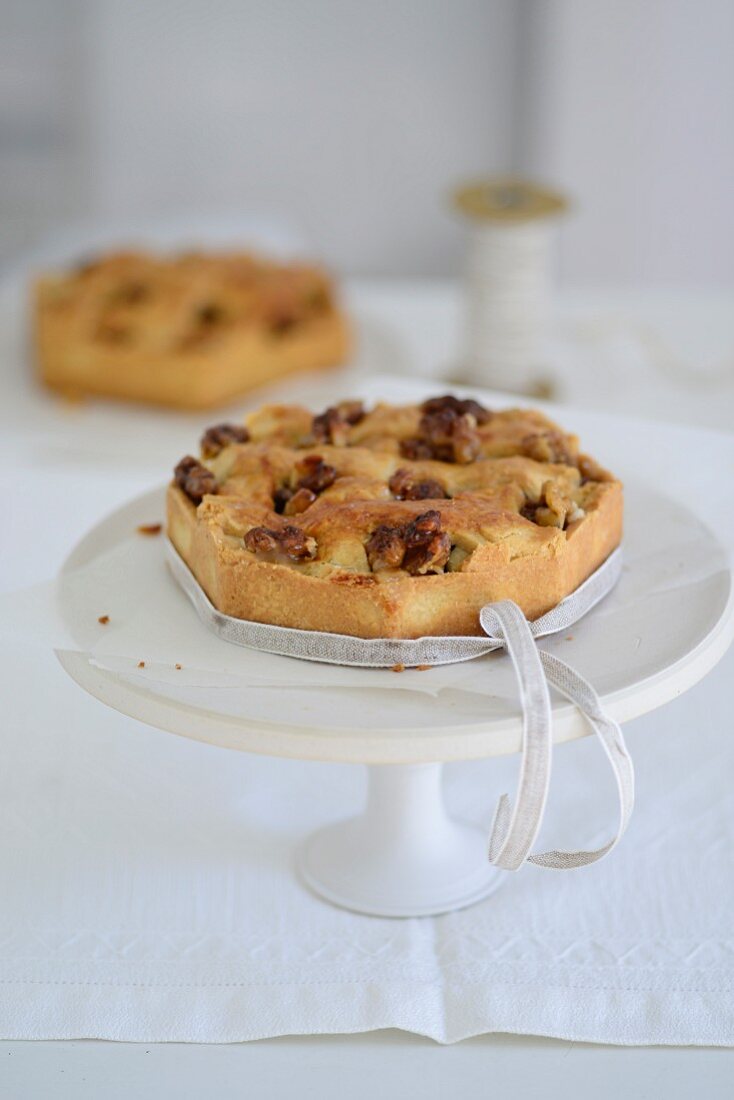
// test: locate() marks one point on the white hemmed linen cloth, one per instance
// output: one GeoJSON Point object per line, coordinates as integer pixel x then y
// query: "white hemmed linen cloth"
{"type": "Point", "coordinates": [148, 891]}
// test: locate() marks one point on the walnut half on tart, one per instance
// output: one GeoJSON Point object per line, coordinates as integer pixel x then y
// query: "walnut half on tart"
{"type": "Point", "coordinates": [189, 331]}
{"type": "Point", "coordinates": [393, 522]}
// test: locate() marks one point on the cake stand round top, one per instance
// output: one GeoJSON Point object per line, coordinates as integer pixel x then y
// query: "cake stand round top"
{"type": "Point", "coordinates": [666, 624]}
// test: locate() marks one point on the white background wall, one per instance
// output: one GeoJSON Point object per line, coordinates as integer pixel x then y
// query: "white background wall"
{"type": "Point", "coordinates": [630, 106]}
{"type": "Point", "coordinates": [353, 120]}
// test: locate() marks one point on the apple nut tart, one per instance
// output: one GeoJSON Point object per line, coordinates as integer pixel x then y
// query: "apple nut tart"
{"type": "Point", "coordinates": [189, 331]}
{"type": "Point", "coordinates": [392, 522]}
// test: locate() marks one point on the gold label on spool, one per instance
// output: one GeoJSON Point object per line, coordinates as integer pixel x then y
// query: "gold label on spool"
{"type": "Point", "coordinates": [508, 199]}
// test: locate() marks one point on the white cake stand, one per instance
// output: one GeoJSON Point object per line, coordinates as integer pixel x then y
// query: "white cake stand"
{"type": "Point", "coordinates": [668, 622]}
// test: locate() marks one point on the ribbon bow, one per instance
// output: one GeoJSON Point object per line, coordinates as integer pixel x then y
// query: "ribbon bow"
{"type": "Point", "coordinates": [515, 829]}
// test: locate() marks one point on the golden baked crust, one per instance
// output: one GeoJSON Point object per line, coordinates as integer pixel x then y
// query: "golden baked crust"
{"type": "Point", "coordinates": [324, 523]}
{"type": "Point", "coordinates": [191, 331]}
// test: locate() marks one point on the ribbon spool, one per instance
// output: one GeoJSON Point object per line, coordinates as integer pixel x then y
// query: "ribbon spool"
{"type": "Point", "coordinates": [508, 280]}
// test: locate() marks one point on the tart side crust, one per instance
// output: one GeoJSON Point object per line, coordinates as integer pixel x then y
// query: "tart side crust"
{"type": "Point", "coordinates": [404, 606]}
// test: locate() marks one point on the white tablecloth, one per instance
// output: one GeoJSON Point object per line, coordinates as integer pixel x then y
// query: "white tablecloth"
{"type": "Point", "coordinates": [147, 887]}
{"type": "Point", "coordinates": [149, 894]}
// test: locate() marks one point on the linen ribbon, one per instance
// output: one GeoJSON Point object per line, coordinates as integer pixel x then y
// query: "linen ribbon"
{"type": "Point", "coordinates": [515, 829]}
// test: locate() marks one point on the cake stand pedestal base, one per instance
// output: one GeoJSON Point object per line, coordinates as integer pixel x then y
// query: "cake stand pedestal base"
{"type": "Point", "coordinates": [404, 856]}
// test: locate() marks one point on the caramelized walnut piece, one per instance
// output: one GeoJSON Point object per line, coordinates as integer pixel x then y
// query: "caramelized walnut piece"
{"type": "Point", "coordinates": [261, 540]}
{"type": "Point", "coordinates": [447, 431]}
{"type": "Point", "coordinates": [451, 435]}
{"type": "Point", "coordinates": [385, 548]}
{"type": "Point", "coordinates": [219, 436]}
{"type": "Point", "coordinates": [547, 446]}
{"type": "Point", "coordinates": [316, 474]}
{"type": "Point", "coordinates": [457, 405]}
{"type": "Point", "coordinates": [418, 547]}
{"type": "Point", "coordinates": [291, 542]}
{"type": "Point", "coordinates": [297, 544]}
{"type": "Point", "coordinates": [415, 449]}
{"type": "Point", "coordinates": [332, 425]}
{"type": "Point", "coordinates": [427, 547]}
{"type": "Point", "coordinates": [194, 479]}
{"type": "Point", "coordinates": [209, 314]}
{"type": "Point", "coordinates": [404, 486]}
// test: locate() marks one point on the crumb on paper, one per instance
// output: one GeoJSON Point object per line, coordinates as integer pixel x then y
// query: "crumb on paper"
{"type": "Point", "coordinates": [150, 528]}
{"type": "Point", "coordinates": [177, 666]}
{"type": "Point", "coordinates": [398, 668]}
{"type": "Point", "coordinates": [141, 664]}
{"type": "Point", "coordinates": [103, 619]}
{"type": "Point", "coordinates": [423, 668]}
{"type": "Point", "coordinates": [569, 637]}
